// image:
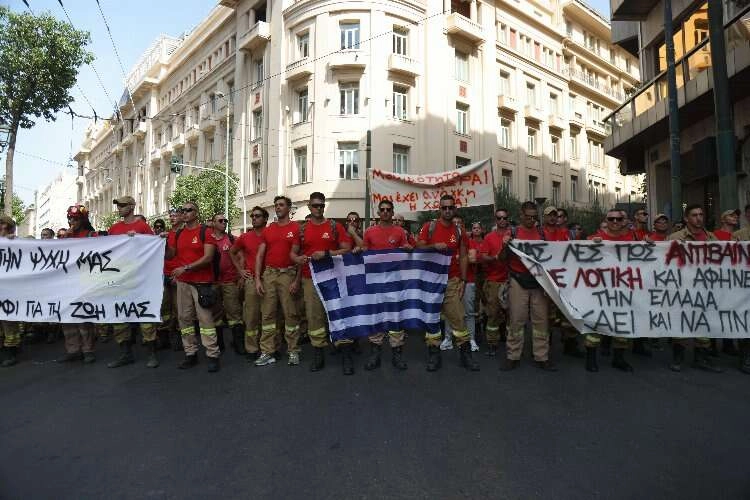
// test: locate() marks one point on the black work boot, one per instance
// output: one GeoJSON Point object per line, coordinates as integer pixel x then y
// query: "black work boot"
{"type": "Point", "coordinates": [319, 359]}
{"type": "Point", "coordinates": [678, 356]}
{"type": "Point", "coordinates": [220, 338]}
{"type": "Point", "coordinates": [69, 357]}
{"type": "Point", "coordinates": [347, 363]}
{"type": "Point", "coordinates": [396, 358]}
{"type": "Point", "coordinates": [618, 360]}
{"type": "Point", "coordinates": [434, 361]}
{"type": "Point", "coordinates": [606, 345]}
{"type": "Point", "coordinates": [509, 365]}
{"type": "Point", "coordinates": [639, 348]}
{"type": "Point", "coordinates": [213, 365]}
{"type": "Point", "coordinates": [745, 356]}
{"type": "Point", "coordinates": [374, 360]}
{"type": "Point", "coordinates": [570, 347]}
{"type": "Point", "coordinates": [467, 361]}
{"type": "Point", "coordinates": [188, 362]}
{"type": "Point", "coordinates": [491, 351]}
{"type": "Point", "coordinates": [728, 348]}
{"type": "Point", "coordinates": [238, 339]}
{"type": "Point", "coordinates": [126, 356]}
{"type": "Point", "coordinates": [714, 350]}
{"type": "Point", "coordinates": [702, 360]}
{"type": "Point", "coordinates": [153, 361]}
{"type": "Point", "coordinates": [11, 358]}
{"type": "Point", "coordinates": [591, 364]}
{"type": "Point", "coordinates": [51, 337]}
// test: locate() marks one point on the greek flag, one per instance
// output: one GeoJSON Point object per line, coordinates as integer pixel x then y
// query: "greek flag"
{"type": "Point", "coordinates": [381, 291]}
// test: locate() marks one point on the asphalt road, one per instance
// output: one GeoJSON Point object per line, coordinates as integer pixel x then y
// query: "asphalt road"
{"type": "Point", "coordinates": [84, 432]}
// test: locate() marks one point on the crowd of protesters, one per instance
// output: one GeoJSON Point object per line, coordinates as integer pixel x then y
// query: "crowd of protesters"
{"type": "Point", "coordinates": [257, 287]}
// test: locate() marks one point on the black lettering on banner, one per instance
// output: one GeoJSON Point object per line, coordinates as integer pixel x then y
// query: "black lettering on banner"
{"type": "Point", "coordinates": [9, 307]}
{"type": "Point", "coordinates": [721, 278]}
{"type": "Point", "coordinates": [34, 309]}
{"type": "Point", "coordinates": [557, 276]}
{"type": "Point", "coordinates": [683, 298]}
{"type": "Point", "coordinates": [10, 258]}
{"type": "Point", "coordinates": [96, 260]}
{"type": "Point", "coordinates": [658, 320]}
{"type": "Point", "coordinates": [54, 309]}
{"type": "Point", "coordinates": [734, 321]}
{"type": "Point", "coordinates": [535, 250]}
{"type": "Point", "coordinates": [52, 259]}
{"type": "Point", "coordinates": [642, 252]}
{"type": "Point", "coordinates": [132, 309]}
{"type": "Point", "coordinates": [693, 320]}
{"type": "Point", "coordinates": [617, 322]}
{"type": "Point", "coordinates": [670, 277]}
{"type": "Point", "coordinates": [583, 253]}
{"type": "Point", "coordinates": [87, 310]}
{"type": "Point", "coordinates": [615, 298]}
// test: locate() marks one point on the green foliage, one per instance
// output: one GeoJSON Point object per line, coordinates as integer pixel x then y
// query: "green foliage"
{"type": "Point", "coordinates": [206, 188]}
{"type": "Point", "coordinates": [18, 210]}
{"type": "Point", "coordinates": [39, 61]}
{"type": "Point", "coordinates": [106, 221]}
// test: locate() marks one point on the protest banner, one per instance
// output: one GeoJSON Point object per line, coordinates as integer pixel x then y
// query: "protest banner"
{"type": "Point", "coordinates": [634, 289]}
{"type": "Point", "coordinates": [111, 279]}
{"type": "Point", "coordinates": [381, 290]}
{"type": "Point", "coordinates": [471, 186]}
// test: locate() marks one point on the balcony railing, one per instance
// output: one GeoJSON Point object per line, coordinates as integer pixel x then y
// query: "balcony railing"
{"type": "Point", "coordinates": [584, 77]}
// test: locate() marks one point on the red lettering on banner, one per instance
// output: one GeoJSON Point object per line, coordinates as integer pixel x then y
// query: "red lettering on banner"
{"type": "Point", "coordinates": [412, 207]}
{"type": "Point", "coordinates": [610, 277]}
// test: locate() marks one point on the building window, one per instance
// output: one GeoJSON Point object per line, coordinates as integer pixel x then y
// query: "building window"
{"type": "Point", "coordinates": [502, 33]}
{"type": "Point", "coordinates": [257, 176]}
{"type": "Point", "coordinates": [462, 162]}
{"type": "Point", "coordinates": [555, 149]}
{"type": "Point", "coordinates": [532, 187]}
{"type": "Point", "coordinates": [212, 103]}
{"type": "Point", "coordinates": [505, 127]}
{"type": "Point", "coordinates": [573, 188]}
{"type": "Point", "coordinates": [399, 102]}
{"type": "Point", "coordinates": [618, 195]}
{"type": "Point", "coordinates": [568, 29]}
{"type": "Point", "coordinates": [400, 159]}
{"type": "Point", "coordinates": [400, 36]}
{"type": "Point", "coordinates": [595, 153]}
{"type": "Point", "coordinates": [302, 106]}
{"type": "Point", "coordinates": [299, 173]}
{"type": "Point", "coordinates": [504, 83]}
{"type": "Point", "coordinates": [348, 160]}
{"type": "Point", "coordinates": [573, 144]}
{"type": "Point", "coordinates": [462, 119]}
{"type": "Point", "coordinates": [349, 36]}
{"type": "Point", "coordinates": [259, 75]}
{"type": "Point", "coordinates": [257, 125]}
{"type": "Point", "coordinates": [506, 180]}
{"type": "Point", "coordinates": [349, 93]}
{"type": "Point", "coordinates": [462, 66]}
{"type": "Point", "coordinates": [554, 105]}
{"type": "Point", "coordinates": [303, 45]}
{"type": "Point", "coordinates": [531, 94]}
{"type": "Point", "coordinates": [555, 193]}
{"type": "Point", "coordinates": [531, 141]}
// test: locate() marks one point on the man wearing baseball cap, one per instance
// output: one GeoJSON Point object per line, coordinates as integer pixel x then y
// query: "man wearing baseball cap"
{"type": "Point", "coordinates": [131, 225]}
{"type": "Point", "coordinates": [661, 228]}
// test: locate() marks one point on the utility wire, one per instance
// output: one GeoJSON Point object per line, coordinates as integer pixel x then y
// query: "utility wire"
{"type": "Point", "coordinates": [117, 54]}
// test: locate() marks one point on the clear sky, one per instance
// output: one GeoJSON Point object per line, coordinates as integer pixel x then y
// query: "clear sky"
{"type": "Point", "coordinates": [43, 151]}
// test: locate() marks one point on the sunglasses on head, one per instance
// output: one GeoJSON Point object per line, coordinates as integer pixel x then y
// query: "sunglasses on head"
{"type": "Point", "coordinates": [615, 219]}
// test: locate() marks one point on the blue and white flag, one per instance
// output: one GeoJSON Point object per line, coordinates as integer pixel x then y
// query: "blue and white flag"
{"type": "Point", "coordinates": [381, 291]}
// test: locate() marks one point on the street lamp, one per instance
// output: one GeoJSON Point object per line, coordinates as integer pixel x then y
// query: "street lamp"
{"type": "Point", "coordinates": [2, 195]}
{"type": "Point", "coordinates": [4, 137]}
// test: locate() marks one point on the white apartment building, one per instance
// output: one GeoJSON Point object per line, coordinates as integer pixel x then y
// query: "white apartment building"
{"type": "Point", "coordinates": [439, 83]}
{"type": "Point", "coordinates": [52, 202]}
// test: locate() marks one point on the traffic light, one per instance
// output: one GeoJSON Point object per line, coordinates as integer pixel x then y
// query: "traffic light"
{"type": "Point", "coordinates": [175, 166]}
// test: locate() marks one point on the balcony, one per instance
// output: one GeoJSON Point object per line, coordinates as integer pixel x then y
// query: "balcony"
{"type": "Point", "coordinates": [577, 119]}
{"type": "Point", "coordinates": [347, 59]}
{"type": "Point", "coordinates": [255, 37]}
{"type": "Point", "coordinates": [299, 69]}
{"type": "Point", "coordinates": [595, 127]}
{"type": "Point", "coordinates": [128, 139]}
{"type": "Point", "coordinates": [141, 129]}
{"type": "Point", "coordinates": [167, 149]}
{"type": "Point", "coordinates": [178, 142]}
{"type": "Point", "coordinates": [592, 83]}
{"type": "Point", "coordinates": [207, 123]}
{"type": "Point", "coordinates": [533, 113]}
{"type": "Point", "coordinates": [192, 133]}
{"type": "Point", "coordinates": [507, 103]}
{"type": "Point", "coordinates": [556, 121]}
{"type": "Point", "coordinates": [155, 155]}
{"type": "Point", "coordinates": [458, 25]}
{"type": "Point", "coordinates": [117, 149]}
{"type": "Point", "coordinates": [402, 64]}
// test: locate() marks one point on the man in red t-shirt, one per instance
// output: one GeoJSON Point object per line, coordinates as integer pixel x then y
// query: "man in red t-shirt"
{"type": "Point", "coordinates": [496, 280]}
{"type": "Point", "coordinates": [169, 297]}
{"type": "Point", "coordinates": [243, 253]}
{"type": "Point", "coordinates": [275, 282]}
{"type": "Point", "coordinates": [526, 299]}
{"type": "Point", "coordinates": [228, 310]}
{"type": "Point", "coordinates": [194, 273]}
{"type": "Point", "coordinates": [385, 235]}
{"type": "Point", "coordinates": [320, 238]}
{"type": "Point", "coordinates": [641, 224]}
{"type": "Point", "coordinates": [729, 223]}
{"type": "Point", "coordinates": [661, 228]}
{"type": "Point", "coordinates": [131, 225]}
{"type": "Point", "coordinates": [443, 235]}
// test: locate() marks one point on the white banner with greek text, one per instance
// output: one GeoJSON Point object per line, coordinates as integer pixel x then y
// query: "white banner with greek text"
{"type": "Point", "coordinates": [110, 279]}
{"type": "Point", "coordinates": [633, 289]}
{"type": "Point", "coordinates": [471, 186]}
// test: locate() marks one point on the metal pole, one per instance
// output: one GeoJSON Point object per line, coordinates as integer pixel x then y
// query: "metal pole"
{"type": "Point", "coordinates": [227, 179]}
{"type": "Point", "coordinates": [674, 118]}
{"type": "Point", "coordinates": [226, 166]}
{"type": "Point", "coordinates": [725, 140]}
{"type": "Point", "coordinates": [368, 159]}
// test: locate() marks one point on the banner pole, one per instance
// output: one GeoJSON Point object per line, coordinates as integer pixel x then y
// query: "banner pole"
{"type": "Point", "coordinates": [494, 188]}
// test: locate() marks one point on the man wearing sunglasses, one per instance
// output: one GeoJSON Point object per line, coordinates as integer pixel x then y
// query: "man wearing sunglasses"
{"type": "Point", "coordinates": [385, 235]}
{"type": "Point", "coordinates": [444, 236]}
{"type": "Point", "coordinates": [526, 299]}
{"type": "Point", "coordinates": [169, 297]}
{"type": "Point", "coordinates": [131, 225]}
{"type": "Point", "coordinates": [244, 252]}
{"type": "Point", "coordinates": [228, 309]}
{"type": "Point", "coordinates": [275, 282]}
{"type": "Point", "coordinates": [496, 280]}
{"type": "Point", "coordinates": [641, 224]}
{"type": "Point", "coordinates": [194, 252]}
{"type": "Point", "coordinates": [320, 238]}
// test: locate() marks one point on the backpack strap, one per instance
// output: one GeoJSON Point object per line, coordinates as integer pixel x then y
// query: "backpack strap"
{"type": "Point", "coordinates": [431, 229]}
